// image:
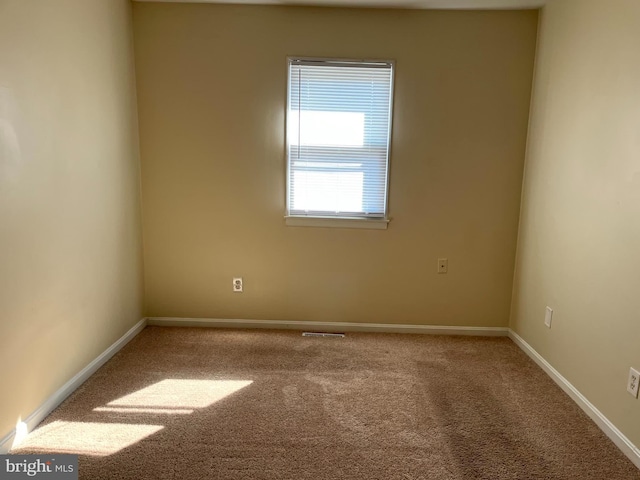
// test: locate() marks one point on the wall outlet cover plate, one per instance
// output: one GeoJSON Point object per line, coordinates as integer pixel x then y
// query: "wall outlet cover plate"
{"type": "Point", "coordinates": [548, 316]}
{"type": "Point", "coordinates": [443, 265]}
{"type": "Point", "coordinates": [634, 382]}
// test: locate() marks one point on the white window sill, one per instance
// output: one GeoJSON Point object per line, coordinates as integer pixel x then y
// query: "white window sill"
{"type": "Point", "coordinates": [337, 222]}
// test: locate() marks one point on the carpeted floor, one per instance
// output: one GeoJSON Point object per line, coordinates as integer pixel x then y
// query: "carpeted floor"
{"type": "Point", "coordinates": [186, 403]}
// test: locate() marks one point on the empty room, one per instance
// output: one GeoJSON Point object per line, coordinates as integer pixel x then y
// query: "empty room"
{"type": "Point", "coordinates": [320, 239]}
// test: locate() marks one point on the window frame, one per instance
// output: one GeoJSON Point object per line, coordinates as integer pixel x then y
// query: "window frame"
{"type": "Point", "coordinates": [340, 221]}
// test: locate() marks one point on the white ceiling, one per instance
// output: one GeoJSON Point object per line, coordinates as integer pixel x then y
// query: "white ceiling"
{"type": "Point", "coordinates": [420, 4]}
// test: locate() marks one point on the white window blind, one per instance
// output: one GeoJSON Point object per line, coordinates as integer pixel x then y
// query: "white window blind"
{"type": "Point", "coordinates": [338, 130]}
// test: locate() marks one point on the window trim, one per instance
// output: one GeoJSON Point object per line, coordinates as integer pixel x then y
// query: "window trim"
{"type": "Point", "coordinates": [319, 220]}
{"type": "Point", "coordinates": [337, 222]}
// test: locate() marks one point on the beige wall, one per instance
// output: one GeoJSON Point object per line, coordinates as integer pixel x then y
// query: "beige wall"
{"type": "Point", "coordinates": [579, 242]}
{"type": "Point", "coordinates": [212, 87]}
{"type": "Point", "coordinates": [70, 256]}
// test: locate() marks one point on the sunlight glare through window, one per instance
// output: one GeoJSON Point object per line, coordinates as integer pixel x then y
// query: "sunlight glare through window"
{"type": "Point", "coordinates": [340, 129]}
{"type": "Point", "coordinates": [336, 191]}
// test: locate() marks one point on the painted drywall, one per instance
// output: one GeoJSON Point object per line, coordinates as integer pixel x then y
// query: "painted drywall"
{"type": "Point", "coordinates": [579, 240]}
{"type": "Point", "coordinates": [70, 246]}
{"type": "Point", "coordinates": [212, 89]}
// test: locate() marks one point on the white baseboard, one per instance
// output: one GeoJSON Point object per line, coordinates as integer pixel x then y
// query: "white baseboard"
{"type": "Point", "coordinates": [616, 436]}
{"type": "Point", "coordinates": [68, 388]}
{"type": "Point", "coordinates": [327, 326]}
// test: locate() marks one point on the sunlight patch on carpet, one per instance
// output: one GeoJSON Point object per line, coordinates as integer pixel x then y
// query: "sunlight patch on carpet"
{"type": "Point", "coordinates": [180, 393]}
{"type": "Point", "coordinates": [22, 430]}
{"type": "Point", "coordinates": [88, 438]}
{"type": "Point", "coordinates": [155, 411]}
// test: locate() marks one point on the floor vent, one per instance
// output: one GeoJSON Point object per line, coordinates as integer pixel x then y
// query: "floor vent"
{"type": "Point", "coordinates": [322, 334]}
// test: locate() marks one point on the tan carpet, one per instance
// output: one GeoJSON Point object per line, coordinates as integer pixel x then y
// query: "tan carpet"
{"type": "Point", "coordinates": [182, 403]}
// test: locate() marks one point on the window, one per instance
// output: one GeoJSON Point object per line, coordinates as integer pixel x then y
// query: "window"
{"type": "Point", "coordinates": [338, 131]}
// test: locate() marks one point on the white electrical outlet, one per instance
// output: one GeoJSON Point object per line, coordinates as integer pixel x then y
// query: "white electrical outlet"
{"type": "Point", "coordinates": [633, 382]}
{"type": "Point", "coordinates": [443, 265]}
{"type": "Point", "coordinates": [548, 316]}
{"type": "Point", "coordinates": [237, 285]}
